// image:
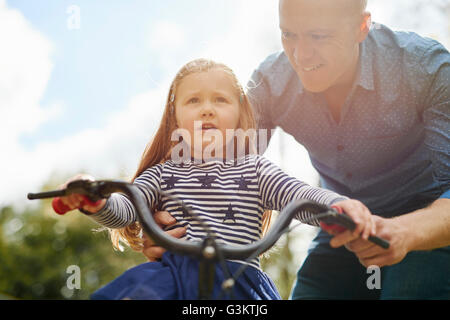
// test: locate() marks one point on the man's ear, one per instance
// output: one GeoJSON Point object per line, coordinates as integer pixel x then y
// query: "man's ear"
{"type": "Point", "coordinates": [364, 27]}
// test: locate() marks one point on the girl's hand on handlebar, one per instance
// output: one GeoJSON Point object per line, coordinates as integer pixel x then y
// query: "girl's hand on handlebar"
{"type": "Point", "coordinates": [78, 201]}
{"type": "Point", "coordinates": [360, 214]}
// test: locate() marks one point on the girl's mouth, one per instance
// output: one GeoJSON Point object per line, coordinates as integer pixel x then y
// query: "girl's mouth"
{"type": "Point", "coordinates": [208, 126]}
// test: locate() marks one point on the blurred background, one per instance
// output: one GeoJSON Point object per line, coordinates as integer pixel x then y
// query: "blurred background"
{"type": "Point", "coordinates": [82, 88]}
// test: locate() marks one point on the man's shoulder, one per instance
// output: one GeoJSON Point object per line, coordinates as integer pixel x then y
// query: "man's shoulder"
{"type": "Point", "coordinates": [407, 43]}
{"type": "Point", "coordinates": [406, 56]}
{"type": "Point", "coordinates": [277, 74]}
{"type": "Point", "coordinates": [275, 62]}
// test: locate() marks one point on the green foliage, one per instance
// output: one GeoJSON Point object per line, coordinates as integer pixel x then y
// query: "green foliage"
{"type": "Point", "coordinates": [37, 246]}
{"type": "Point", "coordinates": [280, 265]}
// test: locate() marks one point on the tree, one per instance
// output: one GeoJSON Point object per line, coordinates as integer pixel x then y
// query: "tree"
{"type": "Point", "coordinates": [37, 247]}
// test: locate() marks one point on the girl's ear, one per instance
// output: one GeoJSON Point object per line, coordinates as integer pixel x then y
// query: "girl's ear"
{"type": "Point", "coordinates": [172, 103]}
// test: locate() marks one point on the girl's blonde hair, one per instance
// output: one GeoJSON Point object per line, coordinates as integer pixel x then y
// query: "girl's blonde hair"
{"type": "Point", "coordinates": [158, 150]}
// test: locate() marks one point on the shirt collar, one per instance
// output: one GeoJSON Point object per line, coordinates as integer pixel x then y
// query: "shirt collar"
{"type": "Point", "coordinates": [365, 73]}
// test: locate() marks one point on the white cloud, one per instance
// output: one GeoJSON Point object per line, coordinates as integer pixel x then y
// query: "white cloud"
{"type": "Point", "coordinates": [25, 70]}
{"type": "Point", "coordinates": [25, 61]}
{"type": "Point", "coordinates": [166, 34]}
{"type": "Point", "coordinates": [25, 66]}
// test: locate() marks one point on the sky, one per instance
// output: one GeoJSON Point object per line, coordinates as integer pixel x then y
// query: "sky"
{"type": "Point", "coordinates": [83, 83]}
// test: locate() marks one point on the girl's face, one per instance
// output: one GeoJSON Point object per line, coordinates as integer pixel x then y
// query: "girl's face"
{"type": "Point", "coordinates": [206, 105]}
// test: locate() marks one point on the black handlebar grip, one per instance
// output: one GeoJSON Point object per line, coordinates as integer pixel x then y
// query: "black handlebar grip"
{"type": "Point", "coordinates": [48, 194]}
{"type": "Point", "coordinates": [379, 241]}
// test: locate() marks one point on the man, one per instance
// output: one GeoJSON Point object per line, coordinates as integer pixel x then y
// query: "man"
{"type": "Point", "coordinates": [372, 107]}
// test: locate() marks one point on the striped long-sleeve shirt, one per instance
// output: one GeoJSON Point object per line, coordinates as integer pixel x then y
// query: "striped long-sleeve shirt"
{"type": "Point", "coordinates": [229, 196]}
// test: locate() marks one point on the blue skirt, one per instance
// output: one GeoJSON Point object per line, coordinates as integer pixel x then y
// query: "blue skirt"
{"type": "Point", "coordinates": [175, 277]}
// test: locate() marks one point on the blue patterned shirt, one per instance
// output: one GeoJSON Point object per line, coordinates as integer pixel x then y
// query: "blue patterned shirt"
{"type": "Point", "coordinates": [391, 148]}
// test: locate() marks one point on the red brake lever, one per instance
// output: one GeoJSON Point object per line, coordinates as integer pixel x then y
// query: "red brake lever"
{"type": "Point", "coordinates": [333, 228]}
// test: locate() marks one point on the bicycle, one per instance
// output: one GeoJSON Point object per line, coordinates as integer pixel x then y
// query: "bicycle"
{"type": "Point", "coordinates": [208, 251]}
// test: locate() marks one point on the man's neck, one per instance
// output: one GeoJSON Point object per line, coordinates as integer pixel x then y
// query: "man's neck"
{"type": "Point", "coordinates": [335, 98]}
{"type": "Point", "coordinates": [336, 95]}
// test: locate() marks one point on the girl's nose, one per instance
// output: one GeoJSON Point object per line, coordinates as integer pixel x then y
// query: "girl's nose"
{"type": "Point", "coordinates": [207, 111]}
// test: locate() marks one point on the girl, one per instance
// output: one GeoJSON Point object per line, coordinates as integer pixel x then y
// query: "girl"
{"type": "Point", "coordinates": [205, 102]}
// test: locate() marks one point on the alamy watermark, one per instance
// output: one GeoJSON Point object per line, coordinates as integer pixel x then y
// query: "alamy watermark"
{"type": "Point", "coordinates": [233, 146]}
{"type": "Point", "coordinates": [74, 280]}
{"type": "Point", "coordinates": [374, 280]}
{"type": "Point", "coordinates": [74, 18]}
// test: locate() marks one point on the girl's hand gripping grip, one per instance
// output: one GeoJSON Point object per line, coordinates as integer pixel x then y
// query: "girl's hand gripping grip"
{"type": "Point", "coordinates": [60, 208]}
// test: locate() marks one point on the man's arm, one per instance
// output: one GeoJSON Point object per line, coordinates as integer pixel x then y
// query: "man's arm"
{"type": "Point", "coordinates": [427, 228]}
{"type": "Point", "coordinates": [430, 227]}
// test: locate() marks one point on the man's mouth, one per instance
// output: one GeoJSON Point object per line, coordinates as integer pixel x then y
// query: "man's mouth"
{"type": "Point", "coordinates": [312, 68]}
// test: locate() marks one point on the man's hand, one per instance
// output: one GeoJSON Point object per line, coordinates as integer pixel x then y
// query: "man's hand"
{"type": "Point", "coordinates": [163, 219]}
{"type": "Point", "coordinates": [423, 229]}
{"type": "Point", "coordinates": [371, 254]}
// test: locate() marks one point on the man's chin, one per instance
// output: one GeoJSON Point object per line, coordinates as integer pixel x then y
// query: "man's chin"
{"type": "Point", "coordinates": [314, 88]}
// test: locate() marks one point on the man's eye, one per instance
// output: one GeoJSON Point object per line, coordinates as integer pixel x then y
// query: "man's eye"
{"type": "Point", "coordinates": [318, 36]}
{"type": "Point", "coordinates": [287, 35]}
{"type": "Point", "coordinates": [221, 100]}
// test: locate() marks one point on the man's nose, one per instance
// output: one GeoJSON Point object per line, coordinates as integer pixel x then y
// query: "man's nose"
{"type": "Point", "coordinates": [302, 52]}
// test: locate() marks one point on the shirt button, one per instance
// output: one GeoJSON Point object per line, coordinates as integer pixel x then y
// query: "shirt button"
{"type": "Point", "coordinates": [340, 147]}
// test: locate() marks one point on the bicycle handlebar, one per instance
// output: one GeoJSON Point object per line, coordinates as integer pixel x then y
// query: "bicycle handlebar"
{"type": "Point", "coordinates": [96, 190]}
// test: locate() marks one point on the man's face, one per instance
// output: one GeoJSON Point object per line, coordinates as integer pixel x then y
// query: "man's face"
{"type": "Point", "coordinates": [320, 39]}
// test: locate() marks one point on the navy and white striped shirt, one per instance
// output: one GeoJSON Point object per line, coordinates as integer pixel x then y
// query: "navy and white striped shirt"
{"type": "Point", "coordinates": [230, 197]}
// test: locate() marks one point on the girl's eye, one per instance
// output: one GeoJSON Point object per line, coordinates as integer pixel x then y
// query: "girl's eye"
{"type": "Point", "coordinates": [193, 100]}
